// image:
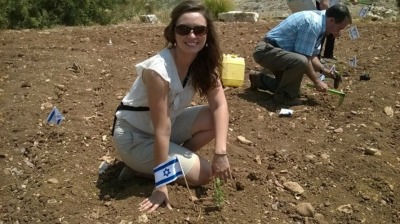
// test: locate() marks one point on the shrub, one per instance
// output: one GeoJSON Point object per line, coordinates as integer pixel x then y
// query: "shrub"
{"type": "Point", "coordinates": [16, 14]}
{"type": "Point", "coordinates": [46, 13]}
{"type": "Point", "coordinates": [218, 6]}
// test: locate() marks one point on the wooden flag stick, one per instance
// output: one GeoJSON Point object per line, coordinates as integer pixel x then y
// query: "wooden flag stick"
{"type": "Point", "coordinates": [187, 185]}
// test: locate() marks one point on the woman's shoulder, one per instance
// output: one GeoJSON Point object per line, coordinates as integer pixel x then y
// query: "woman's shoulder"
{"type": "Point", "coordinates": [161, 58]}
{"type": "Point", "coordinates": [160, 63]}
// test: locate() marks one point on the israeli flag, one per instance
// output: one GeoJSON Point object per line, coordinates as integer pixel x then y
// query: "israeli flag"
{"type": "Point", "coordinates": [55, 117]}
{"type": "Point", "coordinates": [333, 69]}
{"type": "Point", "coordinates": [167, 172]}
{"type": "Point", "coordinates": [354, 33]}
{"type": "Point", "coordinates": [363, 12]}
{"type": "Point", "coordinates": [353, 62]}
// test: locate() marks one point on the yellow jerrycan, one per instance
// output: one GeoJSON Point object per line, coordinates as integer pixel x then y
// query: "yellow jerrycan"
{"type": "Point", "coordinates": [232, 70]}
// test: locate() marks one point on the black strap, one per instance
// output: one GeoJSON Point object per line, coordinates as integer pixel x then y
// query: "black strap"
{"type": "Point", "coordinates": [129, 108]}
{"type": "Point", "coordinates": [187, 77]}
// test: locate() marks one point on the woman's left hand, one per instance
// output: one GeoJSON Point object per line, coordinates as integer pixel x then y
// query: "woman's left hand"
{"type": "Point", "coordinates": [157, 198]}
{"type": "Point", "coordinates": [220, 167]}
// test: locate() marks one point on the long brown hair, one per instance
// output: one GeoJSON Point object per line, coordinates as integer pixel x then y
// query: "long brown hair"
{"type": "Point", "coordinates": [206, 67]}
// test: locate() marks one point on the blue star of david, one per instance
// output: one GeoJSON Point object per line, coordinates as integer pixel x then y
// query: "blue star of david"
{"type": "Point", "coordinates": [167, 172]}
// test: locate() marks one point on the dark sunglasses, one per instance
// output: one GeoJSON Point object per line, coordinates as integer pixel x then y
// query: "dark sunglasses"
{"type": "Point", "coordinates": [184, 30]}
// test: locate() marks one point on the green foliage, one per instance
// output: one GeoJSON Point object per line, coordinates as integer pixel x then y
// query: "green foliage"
{"type": "Point", "coordinates": [46, 13]}
{"type": "Point", "coordinates": [218, 6]}
{"type": "Point", "coordinates": [17, 14]}
{"type": "Point", "coordinates": [219, 195]}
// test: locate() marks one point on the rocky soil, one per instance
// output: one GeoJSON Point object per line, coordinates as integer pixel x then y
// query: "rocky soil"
{"type": "Point", "coordinates": [324, 164]}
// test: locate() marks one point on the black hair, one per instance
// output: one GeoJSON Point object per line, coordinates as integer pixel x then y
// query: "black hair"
{"type": "Point", "coordinates": [340, 12]}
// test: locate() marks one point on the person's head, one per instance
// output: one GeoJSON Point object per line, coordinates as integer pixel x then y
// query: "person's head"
{"type": "Point", "coordinates": [337, 18]}
{"type": "Point", "coordinates": [191, 31]}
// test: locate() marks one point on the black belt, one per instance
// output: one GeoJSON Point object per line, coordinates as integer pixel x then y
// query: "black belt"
{"type": "Point", "coordinates": [272, 42]}
{"type": "Point", "coordinates": [129, 108]}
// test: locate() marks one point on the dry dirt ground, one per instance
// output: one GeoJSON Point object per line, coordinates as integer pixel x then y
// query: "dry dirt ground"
{"type": "Point", "coordinates": [49, 173]}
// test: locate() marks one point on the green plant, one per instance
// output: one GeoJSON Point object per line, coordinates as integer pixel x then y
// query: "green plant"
{"type": "Point", "coordinates": [218, 6]}
{"type": "Point", "coordinates": [219, 195]}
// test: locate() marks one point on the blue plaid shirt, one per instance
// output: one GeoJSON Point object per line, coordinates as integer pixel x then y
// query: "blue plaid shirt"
{"type": "Point", "coordinates": [301, 32]}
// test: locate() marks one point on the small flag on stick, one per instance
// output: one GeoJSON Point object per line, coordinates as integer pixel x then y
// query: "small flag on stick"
{"type": "Point", "coordinates": [353, 62]}
{"type": "Point", "coordinates": [167, 172]}
{"type": "Point", "coordinates": [353, 33]}
{"type": "Point", "coordinates": [333, 69]}
{"type": "Point", "coordinates": [363, 12]}
{"type": "Point", "coordinates": [55, 117]}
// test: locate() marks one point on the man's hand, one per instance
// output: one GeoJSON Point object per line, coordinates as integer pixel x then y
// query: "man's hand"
{"type": "Point", "coordinates": [335, 75]}
{"type": "Point", "coordinates": [320, 86]}
{"type": "Point", "coordinates": [156, 199]}
{"type": "Point", "coordinates": [329, 73]}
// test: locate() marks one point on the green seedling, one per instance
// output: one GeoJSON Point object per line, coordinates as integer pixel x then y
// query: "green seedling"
{"type": "Point", "coordinates": [219, 195]}
{"type": "Point", "coordinates": [338, 93]}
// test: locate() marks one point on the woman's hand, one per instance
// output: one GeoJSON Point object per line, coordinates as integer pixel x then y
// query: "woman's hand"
{"type": "Point", "coordinates": [156, 199]}
{"type": "Point", "coordinates": [220, 167]}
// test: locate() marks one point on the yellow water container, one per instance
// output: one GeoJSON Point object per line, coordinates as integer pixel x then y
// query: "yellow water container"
{"type": "Point", "coordinates": [232, 70]}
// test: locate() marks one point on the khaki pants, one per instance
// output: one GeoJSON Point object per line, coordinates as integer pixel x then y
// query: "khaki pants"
{"type": "Point", "coordinates": [135, 147]}
{"type": "Point", "coordinates": [288, 67]}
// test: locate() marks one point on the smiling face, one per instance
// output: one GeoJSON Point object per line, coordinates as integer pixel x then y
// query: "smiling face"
{"type": "Point", "coordinates": [335, 28]}
{"type": "Point", "coordinates": [190, 43]}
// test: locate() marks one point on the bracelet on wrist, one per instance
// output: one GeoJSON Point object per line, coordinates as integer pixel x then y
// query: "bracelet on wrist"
{"type": "Point", "coordinates": [219, 154]}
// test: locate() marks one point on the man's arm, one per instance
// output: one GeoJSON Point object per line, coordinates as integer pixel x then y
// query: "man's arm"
{"type": "Point", "coordinates": [313, 76]}
{"type": "Point", "coordinates": [320, 68]}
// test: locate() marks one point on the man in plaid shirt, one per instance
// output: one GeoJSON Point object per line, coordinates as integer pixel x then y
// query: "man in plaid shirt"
{"type": "Point", "coordinates": [291, 49]}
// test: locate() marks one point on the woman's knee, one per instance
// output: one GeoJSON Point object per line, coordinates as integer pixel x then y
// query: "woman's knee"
{"type": "Point", "coordinates": [201, 173]}
{"type": "Point", "coordinates": [204, 120]}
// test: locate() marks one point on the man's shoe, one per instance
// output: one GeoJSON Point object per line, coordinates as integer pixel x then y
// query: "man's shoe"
{"type": "Point", "coordinates": [268, 83]}
{"type": "Point", "coordinates": [332, 57]}
{"type": "Point", "coordinates": [287, 100]}
{"type": "Point", "coordinates": [253, 77]}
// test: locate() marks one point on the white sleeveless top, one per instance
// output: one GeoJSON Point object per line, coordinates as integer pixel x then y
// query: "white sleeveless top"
{"type": "Point", "coordinates": [178, 98]}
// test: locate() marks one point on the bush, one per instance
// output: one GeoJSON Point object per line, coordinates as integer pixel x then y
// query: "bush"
{"type": "Point", "coordinates": [46, 13]}
{"type": "Point", "coordinates": [17, 14]}
{"type": "Point", "coordinates": [218, 6]}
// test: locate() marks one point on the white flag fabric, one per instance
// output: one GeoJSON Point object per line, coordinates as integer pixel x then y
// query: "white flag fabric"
{"type": "Point", "coordinates": [353, 62]}
{"type": "Point", "coordinates": [354, 33]}
{"type": "Point", "coordinates": [363, 12]}
{"type": "Point", "coordinates": [333, 69]}
{"type": "Point", "coordinates": [167, 172]}
{"type": "Point", "coordinates": [55, 117]}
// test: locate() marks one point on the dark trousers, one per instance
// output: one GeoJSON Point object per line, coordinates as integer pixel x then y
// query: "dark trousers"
{"type": "Point", "coordinates": [330, 42]}
{"type": "Point", "coordinates": [287, 67]}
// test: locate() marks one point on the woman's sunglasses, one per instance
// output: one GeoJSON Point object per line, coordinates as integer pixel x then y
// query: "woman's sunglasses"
{"type": "Point", "coordinates": [184, 30]}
